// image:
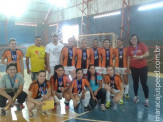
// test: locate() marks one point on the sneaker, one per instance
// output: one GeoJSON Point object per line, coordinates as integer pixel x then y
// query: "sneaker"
{"type": "Point", "coordinates": [127, 96]}
{"type": "Point", "coordinates": [87, 108]}
{"type": "Point", "coordinates": [102, 107]}
{"type": "Point", "coordinates": [67, 105]}
{"type": "Point", "coordinates": [20, 107]}
{"type": "Point", "coordinates": [107, 105]}
{"type": "Point", "coordinates": [2, 112]}
{"type": "Point", "coordinates": [44, 113]}
{"type": "Point", "coordinates": [146, 103]}
{"type": "Point", "coordinates": [136, 99]}
{"type": "Point", "coordinates": [121, 102]}
{"type": "Point", "coordinates": [30, 115]}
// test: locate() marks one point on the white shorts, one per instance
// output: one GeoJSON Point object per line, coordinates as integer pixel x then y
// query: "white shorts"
{"type": "Point", "coordinates": [79, 94]}
{"type": "Point", "coordinates": [69, 69]}
{"type": "Point", "coordinates": [85, 71]}
{"type": "Point", "coordinates": [104, 71]}
{"type": "Point", "coordinates": [98, 70]}
{"type": "Point", "coordinates": [39, 99]}
{"type": "Point", "coordinates": [120, 70]}
{"type": "Point", "coordinates": [59, 94]}
{"type": "Point", "coordinates": [115, 92]}
{"type": "Point", "coordinates": [51, 73]}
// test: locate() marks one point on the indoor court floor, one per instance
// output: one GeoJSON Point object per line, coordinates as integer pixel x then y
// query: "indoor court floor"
{"type": "Point", "coordinates": [128, 112]}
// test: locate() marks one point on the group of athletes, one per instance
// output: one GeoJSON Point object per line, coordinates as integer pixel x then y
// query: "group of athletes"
{"type": "Point", "coordinates": [83, 74]}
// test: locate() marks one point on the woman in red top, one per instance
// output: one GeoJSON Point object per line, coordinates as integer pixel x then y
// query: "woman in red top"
{"type": "Point", "coordinates": [137, 53]}
{"type": "Point", "coordinates": [59, 84]}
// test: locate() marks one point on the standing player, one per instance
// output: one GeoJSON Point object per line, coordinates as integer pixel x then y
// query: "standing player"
{"type": "Point", "coordinates": [121, 63]}
{"type": "Point", "coordinates": [107, 55]}
{"type": "Point", "coordinates": [53, 51]}
{"type": "Point", "coordinates": [68, 56]}
{"type": "Point", "coordinates": [95, 56]}
{"type": "Point", "coordinates": [14, 55]}
{"type": "Point", "coordinates": [83, 57]}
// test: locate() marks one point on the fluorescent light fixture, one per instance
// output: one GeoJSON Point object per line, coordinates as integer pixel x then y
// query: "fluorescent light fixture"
{"type": "Point", "coordinates": [69, 31]}
{"type": "Point", "coordinates": [107, 14]}
{"type": "Point", "coordinates": [151, 6]}
{"type": "Point", "coordinates": [25, 24]}
{"type": "Point", "coordinates": [51, 25]}
{"type": "Point", "coordinates": [13, 7]}
{"type": "Point", "coordinates": [59, 3]}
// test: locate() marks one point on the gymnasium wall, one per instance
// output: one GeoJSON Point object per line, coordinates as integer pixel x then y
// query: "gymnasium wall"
{"type": "Point", "coordinates": [148, 25]}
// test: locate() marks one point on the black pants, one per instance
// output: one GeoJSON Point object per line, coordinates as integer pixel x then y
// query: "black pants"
{"type": "Point", "coordinates": [101, 94]}
{"type": "Point", "coordinates": [20, 99]}
{"type": "Point", "coordinates": [140, 73]}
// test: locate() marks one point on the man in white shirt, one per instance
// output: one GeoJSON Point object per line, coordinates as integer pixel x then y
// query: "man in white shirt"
{"type": "Point", "coordinates": [53, 51]}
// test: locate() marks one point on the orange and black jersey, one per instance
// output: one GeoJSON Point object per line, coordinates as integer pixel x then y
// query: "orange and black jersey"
{"type": "Point", "coordinates": [39, 89]}
{"type": "Point", "coordinates": [69, 56]}
{"type": "Point", "coordinates": [115, 81]}
{"type": "Point", "coordinates": [79, 86]}
{"type": "Point", "coordinates": [60, 82]}
{"type": "Point", "coordinates": [14, 56]}
{"type": "Point", "coordinates": [95, 57]}
{"type": "Point", "coordinates": [107, 56]}
{"type": "Point", "coordinates": [120, 57]}
{"type": "Point", "coordinates": [83, 57]}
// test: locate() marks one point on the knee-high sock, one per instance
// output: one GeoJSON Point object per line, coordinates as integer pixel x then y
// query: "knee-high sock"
{"type": "Point", "coordinates": [107, 96]}
{"type": "Point", "coordinates": [126, 88]}
{"type": "Point", "coordinates": [86, 99]}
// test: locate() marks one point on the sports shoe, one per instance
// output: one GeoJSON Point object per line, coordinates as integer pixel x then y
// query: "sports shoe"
{"type": "Point", "coordinates": [121, 102]}
{"type": "Point", "coordinates": [136, 99]}
{"type": "Point", "coordinates": [30, 115]}
{"type": "Point", "coordinates": [107, 105]}
{"type": "Point", "coordinates": [87, 108]}
{"type": "Point", "coordinates": [44, 113]}
{"type": "Point", "coordinates": [20, 107]}
{"type": "Point", "coordinates": [67, 105]}
{"type": "Point", "coordinates": [102, 107]}
{"type": "Point", "coordinates": [127, 96]}
{"type": "Point", "coordinates": [146, 103]}
{"type": "Point", "coordinates": [2, 112]}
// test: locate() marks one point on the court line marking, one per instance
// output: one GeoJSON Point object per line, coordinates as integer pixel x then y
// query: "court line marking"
{"type": "Point", "coordinates": [93, 120]}
{"type": "Point", "coordinates": [76, 116]}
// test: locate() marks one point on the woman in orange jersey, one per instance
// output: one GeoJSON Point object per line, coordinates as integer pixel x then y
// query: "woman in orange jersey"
{"type": "Point", "coordinates": [79, 91]}
{"type": "Point", "coordinates": [107, 55]}
{"type": "Point", "coordinates": [59, 84]}
{"type": "Point", "coordinates": [39, 91]}
{"type": "Point", "coordinates": [68, 56]}
{"type": "Point", "coordinates": [14, 55]}
{"type": "Point", "coordinates": [83, 57]}
{"type": "Point", "coordinates": [121, 64]}
{"type": "Point", "coordinates": [114, 86]}
{"type": "Point", "coordinates": [95, 56]}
